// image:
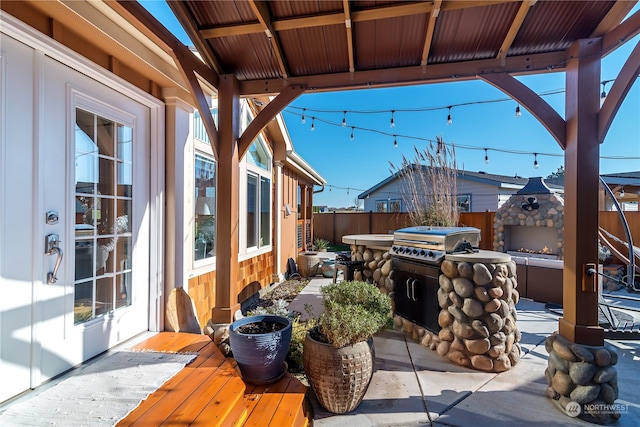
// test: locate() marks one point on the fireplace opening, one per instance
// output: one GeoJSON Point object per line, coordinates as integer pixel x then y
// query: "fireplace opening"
{"type": "Point", "coordinates": [527, 241]}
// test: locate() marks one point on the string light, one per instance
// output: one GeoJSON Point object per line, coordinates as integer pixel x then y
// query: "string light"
{"type": "Point", "coordinates": [622, 193]}
{"type": "Point", "coordinates": [449, 121]}
{"type": "Point", "coordinates": [486, 156]}
{"type": "Point", "coordinates": [518, 113]}
{"type": "Point", "coordinates": [392, 124]}
{"type": "Point", "coordinates": [395, 142]}
{"type": "Point", "coordinates": [344, 119]}
{"type": "Point", "coordinates": [313, 124]}
{"type": "Point", "coordinates": [535, 160]}
{"type": "Point", "coordinates": [352, 133]}
{"type": "Point", "coordinates": [303, 120]}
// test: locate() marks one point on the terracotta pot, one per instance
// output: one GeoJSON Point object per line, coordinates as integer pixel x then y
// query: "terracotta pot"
{"type": "Point", "coordinates": [339, 377]}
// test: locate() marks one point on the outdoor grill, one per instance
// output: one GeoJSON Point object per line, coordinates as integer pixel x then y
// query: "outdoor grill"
{"type": "Point", "coordinates": [418, 253]}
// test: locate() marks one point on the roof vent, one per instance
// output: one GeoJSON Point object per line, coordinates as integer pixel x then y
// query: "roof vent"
{"type": "Point", "coordinates": [535, 186]}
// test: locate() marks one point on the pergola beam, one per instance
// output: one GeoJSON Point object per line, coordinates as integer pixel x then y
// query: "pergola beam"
{"type": "Point", "coordinates": [530, 100]}
{"type": "Point", "coordinates": [621, 34]}
{"type": "Point", "coordinates": [349, 33]}
{"type": "Point", "coordinates": [187, 22]}
{"type": "Point", "coordinates": [524, 8]}
{"type": "Point", "coordinates": [261, 10]}
{"type": "Point", "coordinates": [431, 25]}
{"type": "Point", "coordinates": [621, 87]}
{"type": "Point", "coordinates": [392, 77]}
{"type": "Point", "coordinates": [263, 118]}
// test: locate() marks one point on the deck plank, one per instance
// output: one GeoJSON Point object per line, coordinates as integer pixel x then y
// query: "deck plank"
{"type": "Point", "coordinates": [268, 403]}
{"type": "Point", "coordinates": [209, 391]}
{"type": "Point", "coordinates": [291, 410]}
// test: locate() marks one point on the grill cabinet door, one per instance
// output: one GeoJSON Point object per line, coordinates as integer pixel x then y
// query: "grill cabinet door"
{"type": "Point", "coordinates": [416, 286]}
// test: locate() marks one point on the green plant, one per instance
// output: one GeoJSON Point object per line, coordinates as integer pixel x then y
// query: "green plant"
{"type": "Point", "coordinates": [298, 333]}
{"type": "Point", "coordinates": [320, 244]}
{"type": "Point", "coordinates": [354, 311]}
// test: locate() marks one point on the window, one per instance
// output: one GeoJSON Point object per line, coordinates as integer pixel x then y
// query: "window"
{"type": "Point", "coordinates": [381, 206]}
{"type": "Point", "coordinates": [205, 208]}
{"type": "Point", "coordinates": [256, 168]}
{"type": "Point", "coordinates": [464, 202]}
{"type": "Point", "coordinates": [199, 132]}
{"type": "Point", "coordinates": [395, 205]}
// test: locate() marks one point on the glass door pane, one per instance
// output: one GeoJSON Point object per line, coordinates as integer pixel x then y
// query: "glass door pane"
{"type": "Point", "coordinates": [103, 178]}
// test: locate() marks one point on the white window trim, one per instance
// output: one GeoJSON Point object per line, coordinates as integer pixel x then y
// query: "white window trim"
{"type": "Point", "coordinates": [245, 252]}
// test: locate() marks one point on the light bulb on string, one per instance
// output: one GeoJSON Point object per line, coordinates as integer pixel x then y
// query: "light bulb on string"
{"type": "Point", "coordinates": [344, 119]}
{"type": "Point", "coordinates": [535, 160]}
{"type": "Point", "coordinates": [303, 120]}
{"type": "Point", "coordinates": [603, 95]}
{"type": "Point", "coordinates": [486, 156]}
{"type": "Point", "coordinates": [392, 123]}
{"type": "Point", "coordinates": [352, 135]}
{"type": "Point", "coordinates": [449, 120]}
{"type": "Point", "coordinates": [313, 124]}
{"type": "Point", "coordinates": [395, 142]}
{"type": "Point", "coordinates": [622, 193]}
{"type": "Point", "coordinates": [347, 190]}
{"type": "Point", "coordinates": [518, 112]}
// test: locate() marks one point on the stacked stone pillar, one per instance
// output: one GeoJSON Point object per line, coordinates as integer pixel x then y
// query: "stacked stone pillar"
{"type": "Point", "coordinates": [582, 379]}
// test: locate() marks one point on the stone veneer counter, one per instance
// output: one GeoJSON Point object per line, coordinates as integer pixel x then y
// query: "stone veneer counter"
{"type": "Point", "coordinates": [477, 297]}
{"type": "Point", "coordinates": [373, 250]}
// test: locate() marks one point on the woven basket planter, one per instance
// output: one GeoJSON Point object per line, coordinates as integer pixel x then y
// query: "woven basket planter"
{"type": "Point", "coordinates": [308, 264]}
{"type": "Point", "coordinates": [339, 377]}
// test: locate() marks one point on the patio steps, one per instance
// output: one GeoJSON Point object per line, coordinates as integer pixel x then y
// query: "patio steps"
{"type": "Point", "coordinates": [209, 392]}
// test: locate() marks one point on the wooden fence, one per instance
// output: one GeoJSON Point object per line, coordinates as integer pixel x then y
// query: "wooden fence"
{"type": "Point", "coordinates": [332, 226]}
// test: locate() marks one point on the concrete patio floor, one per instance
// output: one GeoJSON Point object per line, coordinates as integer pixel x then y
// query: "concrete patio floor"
{"type": "Point", "coordinates": [413, 386]}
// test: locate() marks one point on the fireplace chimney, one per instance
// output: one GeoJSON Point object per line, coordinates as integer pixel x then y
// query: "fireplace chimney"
{"type": "Point", "coordinates": [535, 185]}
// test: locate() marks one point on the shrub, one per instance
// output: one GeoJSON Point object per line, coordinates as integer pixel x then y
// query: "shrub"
{"type": "Point", "coordinates": [354, 311]}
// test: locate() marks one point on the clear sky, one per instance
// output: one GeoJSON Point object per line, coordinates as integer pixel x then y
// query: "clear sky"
{"type": "Point", "coordinates": [350, 167]}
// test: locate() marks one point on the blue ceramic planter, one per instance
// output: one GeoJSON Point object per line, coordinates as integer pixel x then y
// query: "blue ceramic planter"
{"type": "Point", "coordinates": [260, 357]}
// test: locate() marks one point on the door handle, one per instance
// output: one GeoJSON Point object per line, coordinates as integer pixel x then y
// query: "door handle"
{"type": "Point", "coordinates": [51, 247]}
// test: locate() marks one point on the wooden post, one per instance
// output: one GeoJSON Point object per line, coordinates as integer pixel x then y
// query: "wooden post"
{"type": "Point", "coordinates": [227, 216]}
{"type": "Point", "coordinates": [581, 184]}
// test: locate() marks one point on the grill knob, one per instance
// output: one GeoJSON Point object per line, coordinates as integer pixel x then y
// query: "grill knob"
{"type": "Point", "coordinates": [430, 254]}
{"type": "Point", "coordinates": [415, 251]}
{"type": "Point", "coordinates": [422, 252]}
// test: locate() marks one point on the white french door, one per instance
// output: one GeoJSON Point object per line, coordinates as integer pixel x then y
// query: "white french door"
{"type": "Point", "coordinates": [76, 224]}
{"type": "Point", "coordinates": [94, 172]}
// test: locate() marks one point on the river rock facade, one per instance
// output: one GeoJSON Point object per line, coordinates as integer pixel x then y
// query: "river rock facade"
{"type": "Point", "coordinates": [377, 267]}
{"type": "Point", "coordinates": [582, 379]}
{"type": "Point", "coordinates": [477, 316]}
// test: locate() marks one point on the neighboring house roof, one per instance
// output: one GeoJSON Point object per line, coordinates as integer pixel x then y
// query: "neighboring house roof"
{"type": "Point", "coordinates": [622, 178]}
{"type": "Point", "coordinates": [501, 181]}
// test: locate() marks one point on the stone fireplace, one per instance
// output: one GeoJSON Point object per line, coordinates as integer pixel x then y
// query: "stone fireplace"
{"type": "Point", "coordinates": [530, 223]}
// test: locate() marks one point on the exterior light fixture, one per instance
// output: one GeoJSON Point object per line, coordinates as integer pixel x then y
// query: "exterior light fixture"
{"type": "Point", "coordinates": [395, 142]}
{"type": "Point", "coordinates": [344, 119]}
{"type": "Point", "coordinates": [313, 124]}
{"type": "Point", "coordinates": [486, 156]}
{"type": "Point", "coordinates": [535, 160]}
{"type": "Point", "coordinates": [518, 113]}
{"type": "Point", "coordinates": [392, 123]}
{"type": "Point", "coordinates": [303, 119]}
{"type": "Point", "coordinates": [352, 135]}
{"type": "Point", "coordinates": [449, 120]}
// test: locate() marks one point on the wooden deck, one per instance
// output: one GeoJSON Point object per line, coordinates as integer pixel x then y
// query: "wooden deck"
{"type": "Point", "coordinates": [209, 392]}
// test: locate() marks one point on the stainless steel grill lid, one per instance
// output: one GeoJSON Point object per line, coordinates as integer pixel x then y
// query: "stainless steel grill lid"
{"type": "Point", "coordinates": [445, 239]}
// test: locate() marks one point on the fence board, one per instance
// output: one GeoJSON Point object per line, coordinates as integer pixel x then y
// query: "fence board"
{"type": "Point", "coordinates": [333, 226]}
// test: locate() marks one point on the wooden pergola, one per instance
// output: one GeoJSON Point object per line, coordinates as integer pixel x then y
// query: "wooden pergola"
{"type": "Point", "coordinates": [254, 48]}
